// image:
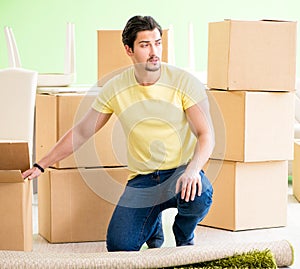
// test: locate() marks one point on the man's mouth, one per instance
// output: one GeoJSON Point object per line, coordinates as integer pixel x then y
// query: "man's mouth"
{"type": "Point", "coordinates": [153, 60]}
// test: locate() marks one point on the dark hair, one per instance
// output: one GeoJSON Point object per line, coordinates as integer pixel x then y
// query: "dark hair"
{"type": "Point", "coordinates": [137, 24]}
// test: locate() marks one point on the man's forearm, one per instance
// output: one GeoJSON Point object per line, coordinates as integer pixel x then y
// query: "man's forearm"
{"type": "Point", "coordinates": [203, 150]}
{"type": "Point", "coordinates": [62, 149]}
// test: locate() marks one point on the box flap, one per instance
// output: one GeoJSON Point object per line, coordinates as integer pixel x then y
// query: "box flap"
{"type": "Point", "coordinates": [265, 20]}
{"type": "Point", "coordinates": [14, 155]}
{"type": "Point", "coordinates": [83, 89]}
{"type": "Point", "coordinates": [11, 176]}
{"type": "Point", "coordinates": [270, 20]}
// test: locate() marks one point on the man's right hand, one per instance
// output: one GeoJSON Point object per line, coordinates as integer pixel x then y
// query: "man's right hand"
{"type": "Point", "coordinates": [31, 173]}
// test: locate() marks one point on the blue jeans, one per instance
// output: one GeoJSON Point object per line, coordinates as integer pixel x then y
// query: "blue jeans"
{"type": "Point", "coordinates": [137, 217]}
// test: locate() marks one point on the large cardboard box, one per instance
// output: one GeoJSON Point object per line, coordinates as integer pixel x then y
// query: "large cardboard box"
{"type": "Point", "coordinates": [75, 205]}
{"type": "Point", "coordinates": [252, 126]}
{"type": "Point", "coordinates": [296, 170]}
{"type": "Point", "coordinates": [112, 57]}
{"type": "Point", "coordinates": [247, 195]}
{"type": "Point", "coordinates": [252, 55]}
{"type": "Point", "coordinates": [15, 197]}
{"type": "Point", "coordinates": [56, 113]}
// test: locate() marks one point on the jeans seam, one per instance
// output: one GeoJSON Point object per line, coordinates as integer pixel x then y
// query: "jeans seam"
{"type": "Point", "coordinates": [144, 225]}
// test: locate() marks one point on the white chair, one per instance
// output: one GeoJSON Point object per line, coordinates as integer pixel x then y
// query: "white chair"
{"type": "Point", "coordinates": [13, 52]}
{"type": "Point", "coordinates": [17, 105]}
{"type": "Point", "coordinates": [47, 79]}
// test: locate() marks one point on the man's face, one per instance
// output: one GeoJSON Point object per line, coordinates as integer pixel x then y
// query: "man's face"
{"type": "Point", "coordinates": [147, 50]}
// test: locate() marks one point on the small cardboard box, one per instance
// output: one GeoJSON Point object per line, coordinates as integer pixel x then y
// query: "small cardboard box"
{"type": "Point", "coordinates": [112, 57]}
{"type": "Point", "coordinates": [75, 205]}
{"type": "Point", "coordinates": [56, 113]}
{"type": "Point", "coordinates": [296, 170]}
{"type": "Point", "coordinates": [15, 197]}
{"type": "Point", "coordinates": [252, 55]}
{"type": "Point", "coordinates": [247, 195]}
{"type": "Point", "coordinates": [252, 126]}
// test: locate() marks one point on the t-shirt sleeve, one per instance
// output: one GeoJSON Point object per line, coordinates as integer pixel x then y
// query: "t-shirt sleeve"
{"type": "Point", "coordinates": [102, 102]}
{"type": "Point", "coordinates": [193, 91]}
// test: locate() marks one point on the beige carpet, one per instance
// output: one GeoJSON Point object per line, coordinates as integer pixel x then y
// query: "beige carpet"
{"type": "Point", "coordinates": [91, 255]}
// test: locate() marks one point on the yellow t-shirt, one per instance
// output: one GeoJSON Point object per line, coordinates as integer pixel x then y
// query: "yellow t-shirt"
{"type": "Point", "coordinates": [153, 118]}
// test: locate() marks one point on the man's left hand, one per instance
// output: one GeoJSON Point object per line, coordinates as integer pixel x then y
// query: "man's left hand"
{"type": "Point", "coordinates": [190, 185]}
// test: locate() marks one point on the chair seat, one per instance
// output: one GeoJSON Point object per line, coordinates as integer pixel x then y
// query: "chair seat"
{"type": "Point", "coordinates": [55, 79]}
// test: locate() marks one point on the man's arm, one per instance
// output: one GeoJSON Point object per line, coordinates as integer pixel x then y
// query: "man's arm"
{"type": "Point", "coordinates": [91, 123]}
{"type": "Point", "coordinates": [200, 122]}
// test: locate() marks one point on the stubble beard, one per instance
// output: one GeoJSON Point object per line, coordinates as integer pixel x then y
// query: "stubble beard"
{"type": "Point", "coordinates": [152, 67]}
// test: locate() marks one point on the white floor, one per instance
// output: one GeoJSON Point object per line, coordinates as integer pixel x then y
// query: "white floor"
{"type": "Point", "coordinates": [206, 235]}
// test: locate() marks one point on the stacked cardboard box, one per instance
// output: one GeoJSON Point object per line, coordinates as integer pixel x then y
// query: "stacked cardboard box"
{"type": "Point", "coordinates": [251, 79]}
{"type": "Point", "coordinates": [296, 170]}
{"type": "Point", "coordinates": [75, 205]}
{"type": "Point", "coordinates": [15, 197]}
{"type": "Point", "coordinates": [76, 197]}
{"type": "Point", "coordinates": [57, 112]}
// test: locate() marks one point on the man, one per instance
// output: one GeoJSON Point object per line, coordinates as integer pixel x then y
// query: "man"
{"type": "Point", "coordinates": [164, 112]}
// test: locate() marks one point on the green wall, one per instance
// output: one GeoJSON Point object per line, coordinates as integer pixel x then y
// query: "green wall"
{"type": "Point", "coordinates": [39, 26]}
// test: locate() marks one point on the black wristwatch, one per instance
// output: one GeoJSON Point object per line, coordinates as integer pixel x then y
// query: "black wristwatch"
{"type": "Point", "coordinates": [39, 167]}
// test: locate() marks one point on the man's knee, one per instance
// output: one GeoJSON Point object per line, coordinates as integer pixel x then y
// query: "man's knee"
{"type": "Point", "coordinates": [198, 207]}
{"type": "Point", "coordinates": [117, 244]}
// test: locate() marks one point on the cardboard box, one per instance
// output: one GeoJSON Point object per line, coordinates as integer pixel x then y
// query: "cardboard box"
{"type": "Point", "coordinates": [252, 126]}
{"type": "Point", "coordinates": [75, 205]}
{"type": "Point", "coordinates": [296, 170]}
{"type": "Point", "coordinates": [56, 113]}
{"type": "Point", "coordinates": [252, 55]}
{"type": "Point", "coordinates": [112, 57]}
{"type": "Point", "coordinates": [15, 197]}
{"type": "Point", "coordinates": [247, 195]}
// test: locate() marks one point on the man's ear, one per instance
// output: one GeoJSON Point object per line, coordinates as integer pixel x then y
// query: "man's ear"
{"type": "Point", "coordinates": [128, 50]}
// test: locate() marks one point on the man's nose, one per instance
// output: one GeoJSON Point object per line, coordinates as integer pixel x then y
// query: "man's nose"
{"type": "Point", "coordinates": [153, 50]}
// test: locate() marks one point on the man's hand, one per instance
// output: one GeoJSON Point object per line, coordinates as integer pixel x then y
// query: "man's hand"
{"type": "Point", "coordinates": [31, 173]}
{"type": "Point", "coordinates": [189, 184]}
